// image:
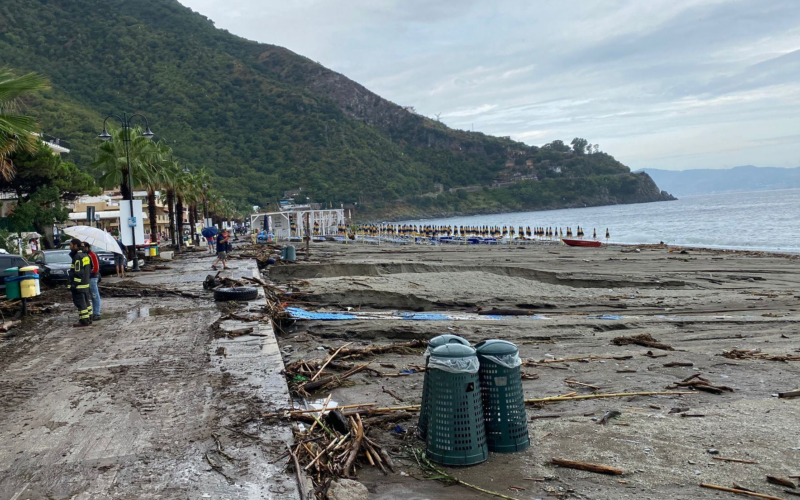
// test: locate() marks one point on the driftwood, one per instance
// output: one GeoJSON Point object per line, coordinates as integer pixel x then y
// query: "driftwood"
{"type": "Point", "coordinates": [741, 492]}
{"type": "Point", "coordinates": [757, 354]}
{"type": "Point", "coordinates": [701, 384]}
{"type": "Point", "coordinates": [644, 340]}
{"type": "Point", "coordinates": [600, 469]}
{"type": "Point", "coordinates": [790, 394]}
{"type": "Point", "coordinates": [780, 482]}
{"type": "Point", "coordinates": [557, 399]}
{"type": "Point", "coordinates": [362, 352]}
{"type": "Point", "coordinates": [737, 460]}
{"type": "Point", "coordinates": [332, 380]}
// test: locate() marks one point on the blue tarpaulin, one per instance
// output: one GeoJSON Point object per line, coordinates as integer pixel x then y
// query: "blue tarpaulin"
{"type": "Point", "coordinates": [298, 313]}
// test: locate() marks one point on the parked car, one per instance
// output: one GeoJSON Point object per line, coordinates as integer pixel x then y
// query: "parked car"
{"type": "Point", "coordinates": [8, 261]}
{"type": "Point", "coordinates": [105, 257]}
{"type": "Point", "coordinates": [53, 265]}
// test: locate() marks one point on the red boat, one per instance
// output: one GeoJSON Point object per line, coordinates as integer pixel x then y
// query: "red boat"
{"type": "Point", "coordinates": [581, 243]}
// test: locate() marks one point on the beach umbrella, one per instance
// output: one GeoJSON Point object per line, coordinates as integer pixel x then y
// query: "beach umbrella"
{"type": "Point", "coordinates": [209, 232]}
{"type": "Point", "coordinates": [95, 237]}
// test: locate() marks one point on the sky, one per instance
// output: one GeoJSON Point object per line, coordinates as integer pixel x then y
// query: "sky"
{"type": "Point", "coordinates": [672, 84]}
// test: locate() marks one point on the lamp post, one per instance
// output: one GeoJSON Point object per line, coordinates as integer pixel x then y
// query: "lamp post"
{"type": "Point", "coordinates": [125, 120]}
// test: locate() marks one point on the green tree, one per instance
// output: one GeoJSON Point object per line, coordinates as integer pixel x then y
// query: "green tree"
{"type": "Point", "coordinates": [43, 182]}
{"type": "Point", "coordinates": [17, 132]}
{"type": "Point", "coordinates": [579, 145]}
{"type": "Point", "coordinates": [111, 162]}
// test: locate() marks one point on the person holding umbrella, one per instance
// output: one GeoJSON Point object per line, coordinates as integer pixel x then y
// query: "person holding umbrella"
{"type": "Point", "coordinates": [94, 278]}
{"type": "Point", "coordinates": [209, 233]}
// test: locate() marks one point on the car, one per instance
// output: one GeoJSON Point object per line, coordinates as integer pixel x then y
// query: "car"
{"type": "Point", "coordinates": [8, 261]}
{"type": "Point", "coordinates": [105, 258]}
{"type": "Point", "coordinates": [53, 265]}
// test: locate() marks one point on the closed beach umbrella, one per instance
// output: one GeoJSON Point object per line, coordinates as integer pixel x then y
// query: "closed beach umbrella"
{"type": "Point", "coordinates": [95, 237]}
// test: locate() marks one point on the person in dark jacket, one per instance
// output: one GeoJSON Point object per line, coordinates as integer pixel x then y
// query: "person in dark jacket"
{"type": "Point", "coordinates": [119, 260]}
{"type": "Point", "coordinates": [94, 279]}
{"type": "Point", "coordinates": [79, 275]}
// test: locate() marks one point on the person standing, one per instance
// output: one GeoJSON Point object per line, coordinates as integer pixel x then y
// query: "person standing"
{"type": "Point", "coordinates": [94, 279]}
{"type": "Point", "coordinates": [79, 274]}
{"type": "Point", "coordinates": [222, 250]}
{"type": "Point", "coordinates": [210, 241]}
{"type": "Point", "coordinates": [119, 260]}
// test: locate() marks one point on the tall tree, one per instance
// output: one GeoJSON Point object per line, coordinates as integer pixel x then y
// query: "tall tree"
{"type": "Point", "coordinates": [111, 162]}
{"type": "Point", "coordinates": [17, 132]}
{"type": "Point", "coordinates": [43, 183]}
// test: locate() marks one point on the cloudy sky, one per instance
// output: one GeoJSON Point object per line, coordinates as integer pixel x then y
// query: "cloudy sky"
{"type": "Point", "coordinates": [669, 84]}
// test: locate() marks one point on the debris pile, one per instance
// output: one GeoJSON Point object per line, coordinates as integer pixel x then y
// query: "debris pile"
{"type": "Point", "coordinates": [757, 354]}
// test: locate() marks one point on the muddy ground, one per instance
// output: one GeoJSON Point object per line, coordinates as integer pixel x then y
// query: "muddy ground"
{"type": "Point", "coordinates": [153, 402]}
{"type": "Point", "coordinates": [701, 303]}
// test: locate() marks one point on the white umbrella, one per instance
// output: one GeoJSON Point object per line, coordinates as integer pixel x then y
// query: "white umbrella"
{"type": "Point", "coordinates": [95, 237]}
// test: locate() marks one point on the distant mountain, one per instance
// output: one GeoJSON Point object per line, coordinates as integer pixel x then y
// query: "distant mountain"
{"type": "Point", "coordinates": [706, 181]}
{"type": "Point", "coordinates": [265, 120]}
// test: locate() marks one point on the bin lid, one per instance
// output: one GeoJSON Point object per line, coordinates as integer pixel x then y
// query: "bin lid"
{"type": "Point", "coordinates": [446, 339]}
{"type": "Point", "coordinates": [453, 351]}
{"type": "Point", "coordinates": [12, 270]}
{"type": "Point", "coordinates": [495, 347]}
{"type": "Point", "coordinates": [28, 268]}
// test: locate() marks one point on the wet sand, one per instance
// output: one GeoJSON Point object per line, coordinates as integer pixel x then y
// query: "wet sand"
{"type": "Point", "coordinates": [701, 303]}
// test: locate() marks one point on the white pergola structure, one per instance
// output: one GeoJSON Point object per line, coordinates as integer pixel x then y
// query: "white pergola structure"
{"type": "Point", "coordinates": [287, 224]}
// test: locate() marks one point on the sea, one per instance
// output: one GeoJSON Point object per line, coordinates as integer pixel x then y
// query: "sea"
{"type": "Point", "coordinates": [757, 220]}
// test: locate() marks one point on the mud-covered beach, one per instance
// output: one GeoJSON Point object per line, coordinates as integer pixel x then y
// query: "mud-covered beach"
{"type": "Point", "coordinates": [727, 319]}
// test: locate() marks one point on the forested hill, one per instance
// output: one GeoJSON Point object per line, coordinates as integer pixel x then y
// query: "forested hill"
{"type": "Point", "coordinates": [261, 118]}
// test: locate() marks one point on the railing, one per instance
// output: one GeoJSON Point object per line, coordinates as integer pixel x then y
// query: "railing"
{"type": "Point", "coordinates": [56, 141]}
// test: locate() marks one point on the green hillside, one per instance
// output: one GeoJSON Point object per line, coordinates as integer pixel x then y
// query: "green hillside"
{"type": "Point", "coordinates": [260, 117]}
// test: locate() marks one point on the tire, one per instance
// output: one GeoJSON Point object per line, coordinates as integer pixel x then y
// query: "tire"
{"type": "Point", "coordinates": [238, 294]}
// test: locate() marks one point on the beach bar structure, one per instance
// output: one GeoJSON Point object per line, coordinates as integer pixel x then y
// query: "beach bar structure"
{"type": "Point", "coordinates": [285, 225]}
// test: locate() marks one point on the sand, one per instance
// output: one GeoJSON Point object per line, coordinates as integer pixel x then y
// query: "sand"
{"type": "Point", "coordinates": [702, 303]}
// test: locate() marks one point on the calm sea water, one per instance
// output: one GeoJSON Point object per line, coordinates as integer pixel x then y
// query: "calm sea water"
{"type": "Point", "coordinates": [762, 220]}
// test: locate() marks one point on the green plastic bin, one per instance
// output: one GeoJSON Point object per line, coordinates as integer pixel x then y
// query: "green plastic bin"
{"type": "Point", "coordinates": [503, 399]}
{"type": "Point", "coordinates": [422, 425]}
{"type": "Point", "coordinates": [455, 434]}
{"type": "Point", "coordinates": [289, 253]}
{"type": "Point", "coordinates": [12, 284]}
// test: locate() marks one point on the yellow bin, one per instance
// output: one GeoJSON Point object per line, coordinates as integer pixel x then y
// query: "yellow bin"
{"type": "Point", "coordinates": [29, 286]}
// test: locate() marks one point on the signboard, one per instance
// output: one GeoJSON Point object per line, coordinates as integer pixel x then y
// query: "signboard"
{"type": "Point", "coordinates": [90, 211]}
{"type": "Point", "coordinates": [126, 222]}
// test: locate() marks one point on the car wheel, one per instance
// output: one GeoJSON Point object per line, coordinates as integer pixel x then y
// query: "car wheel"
{"type": "Point", "coordinates": [238, 294]}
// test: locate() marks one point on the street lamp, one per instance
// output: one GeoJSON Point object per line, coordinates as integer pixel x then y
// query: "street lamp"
{"type": "Point", "coordinates": [125, 120]}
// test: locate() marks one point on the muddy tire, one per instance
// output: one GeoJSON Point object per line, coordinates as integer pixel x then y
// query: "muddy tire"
{"type": "Point", "coordinates": [237, 294]}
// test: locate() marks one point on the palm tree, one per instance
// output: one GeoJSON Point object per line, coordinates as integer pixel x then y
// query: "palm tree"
{"type": "Point", "coordinates": [170, 174]}
{"type": "Point", "coordinates": [17, 132]}
{"type": "Point", "coordinates": [110, 159]}
{"type": "Point", "coordinates": [203, 180]}
{"type": "Point", "coordinates": [156, 159]}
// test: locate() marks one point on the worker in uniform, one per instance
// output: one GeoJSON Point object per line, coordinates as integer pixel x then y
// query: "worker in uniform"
{"type": "Point", "coordinates": [79, 275]}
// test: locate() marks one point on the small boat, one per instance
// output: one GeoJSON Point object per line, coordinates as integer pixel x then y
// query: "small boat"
{"type": "Point", "coordinates": [581, 243]}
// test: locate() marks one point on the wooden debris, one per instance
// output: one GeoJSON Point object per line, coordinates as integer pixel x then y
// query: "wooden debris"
{"type": "Point", "coordinates": [537, 417]}
{"type": "Point", "coordinates": [330, 358]}
{"type": "Point", "coordinates": [557, 399]}
{"type": "Point", "coordinates": [399, 348]}
{"type": "Point", "coordinates": [737, 460]}
{"type": "Point", "coordinates": [598, 468]}
{"type": "Point", "coordinates": [740, 492]}
{"type": "Point", "coordinates": [575, 382]}
{"type": "Point", "coordinates": [702, 384]}
{"type": "Point", "coordinates": [780, 482]}
{"type": "Point", "coordinates": [332, 381]}
{"type": "Point", "coordinates": [677, 363]}
{"type": "Point", "coordinates": [757, 354]}
{"type": "Point", "coordinates": [392, 394]}
{"type": "Point", "coordinates": [644, 340]}
{"type": "Point", "coordinates": [790, 394]}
